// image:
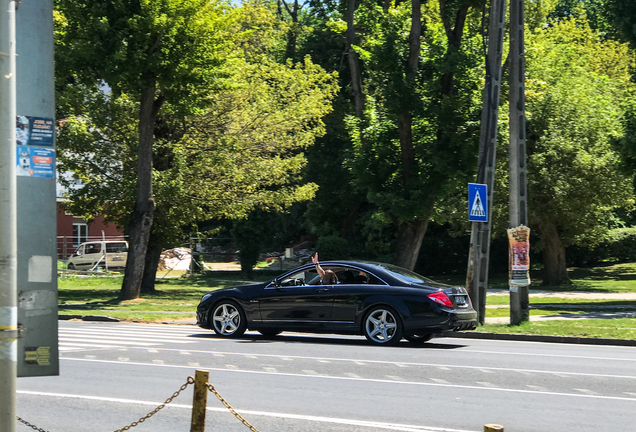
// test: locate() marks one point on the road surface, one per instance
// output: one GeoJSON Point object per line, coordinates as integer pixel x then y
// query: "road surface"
{"type": "Point", "coordinates": [114, 373]}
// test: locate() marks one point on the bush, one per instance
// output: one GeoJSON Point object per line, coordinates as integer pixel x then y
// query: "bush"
{"type": "Point", "coordinates": [619, 246]}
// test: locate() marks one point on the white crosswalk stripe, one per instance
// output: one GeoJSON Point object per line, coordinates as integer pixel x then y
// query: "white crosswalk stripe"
{"type": "Point", "coordinates": [124, 335]}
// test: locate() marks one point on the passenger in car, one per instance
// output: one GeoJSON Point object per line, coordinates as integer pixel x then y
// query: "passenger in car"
{"type": "Point", "coordinates": [328, 277]}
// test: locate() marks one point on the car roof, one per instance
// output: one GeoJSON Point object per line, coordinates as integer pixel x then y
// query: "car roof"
{"type": "Point", "coordinates": [378, 269]}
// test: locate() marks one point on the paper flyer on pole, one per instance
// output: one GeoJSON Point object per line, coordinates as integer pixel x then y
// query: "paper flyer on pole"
{"type": "Point", "coordinates": [519, 255]}
{"type": "Point", "coordinates": [35, 155]}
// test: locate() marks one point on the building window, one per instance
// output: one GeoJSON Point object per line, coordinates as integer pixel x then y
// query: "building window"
{"type": "Point", "coordinates": [80, 233]}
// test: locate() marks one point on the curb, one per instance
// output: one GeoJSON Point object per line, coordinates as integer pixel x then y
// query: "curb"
{"type": "Point", "coordinates": [541, 338]}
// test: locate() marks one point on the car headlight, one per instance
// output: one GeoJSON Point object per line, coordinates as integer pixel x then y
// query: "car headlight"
{"type": "Point", "coordinates": [205, 297]}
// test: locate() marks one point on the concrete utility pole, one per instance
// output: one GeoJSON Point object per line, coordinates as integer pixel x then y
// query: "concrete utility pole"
{"type": "Point", "coordinates": [8, 220]}
{"type": "Point", "coordinates": [519, 304]}
{"type": "Point", "coordinates": [477, 275]}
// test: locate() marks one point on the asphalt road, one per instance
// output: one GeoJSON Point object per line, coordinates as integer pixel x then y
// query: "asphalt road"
{"type": "Point", "coordinates": [114, 373]}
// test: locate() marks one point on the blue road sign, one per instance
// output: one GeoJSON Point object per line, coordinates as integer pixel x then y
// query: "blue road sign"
{"type": "Point", "coordinates": [477, 202]}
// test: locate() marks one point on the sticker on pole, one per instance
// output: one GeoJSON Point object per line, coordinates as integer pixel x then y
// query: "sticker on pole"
{"type": "Point", "coordinates": [477, 202]}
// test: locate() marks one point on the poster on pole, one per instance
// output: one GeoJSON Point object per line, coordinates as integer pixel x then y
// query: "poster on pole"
{"type": "Point", "coordinates": [35, 155]}
{"type": "Point", "coordinates": [519, 256]}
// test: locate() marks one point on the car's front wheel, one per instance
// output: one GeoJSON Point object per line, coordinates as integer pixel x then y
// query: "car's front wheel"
{"type": "Point", "coordinates": [228, 319]}
{"type": "Point", "coordinates": [71, 266]}
{"type": "Point", "coordinates": [383, 326]}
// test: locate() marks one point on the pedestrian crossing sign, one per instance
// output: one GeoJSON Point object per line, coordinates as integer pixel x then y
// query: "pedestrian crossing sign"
{"type": "Point", "coordinates": [477, 202]}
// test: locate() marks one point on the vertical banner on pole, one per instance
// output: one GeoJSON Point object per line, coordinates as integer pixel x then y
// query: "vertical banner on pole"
{"type": "Point", "coordinates": [519, 258]}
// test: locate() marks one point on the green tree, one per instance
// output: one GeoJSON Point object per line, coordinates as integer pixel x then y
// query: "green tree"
{"type": "Point", "coordinates": [416, 125]}
{"type": "Point", "coordinates": [623, 15]}
{"type": "Point", "coordinates": [243, 153]}
{"type": "Point", "coordinates": [577, 85]}
{"type": "Point", "coordinates": [154, 51]}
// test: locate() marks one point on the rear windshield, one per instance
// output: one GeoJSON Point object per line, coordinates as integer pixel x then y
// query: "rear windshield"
{"type": "Point", "coordinates": [116, 247]}
{"type": "Point", "coordinates": [406, 275]}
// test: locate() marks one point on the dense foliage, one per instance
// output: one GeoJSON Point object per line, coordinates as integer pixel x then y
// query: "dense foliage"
{"type": "Point", "coordinates": [368, 109]}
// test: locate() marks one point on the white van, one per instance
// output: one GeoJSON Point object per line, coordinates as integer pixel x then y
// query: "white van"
{"type": "Point", "coordinates": [103, 254]}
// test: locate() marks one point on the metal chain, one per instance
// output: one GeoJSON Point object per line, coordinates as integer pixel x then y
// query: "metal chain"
{"type": "Point", "coordinates": [156, 410]}
{"type": "Point", "coordinates": [160, 407]}
{"type": "Point", "coordinates": [232, 410]}
{"type": "Point", "coordinates": [30, 425]}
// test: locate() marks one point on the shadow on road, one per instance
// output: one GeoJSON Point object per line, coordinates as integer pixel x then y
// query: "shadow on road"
{"type": "Point", "coordinates": [250, 338]}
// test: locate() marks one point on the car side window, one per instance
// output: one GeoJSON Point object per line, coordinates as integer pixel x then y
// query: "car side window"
{"type": "Point", "coordinates": [307, 277]}
{"type": "Point", "coordinates": [92, 248]}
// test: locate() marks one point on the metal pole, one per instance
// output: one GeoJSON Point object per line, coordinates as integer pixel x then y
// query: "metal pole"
{"type": "Point", "coordinates": [199, 400]}
{"type": "Point", "coordinates": [519, 304]}
{"type": "Point", "coordinates": [8, 220]}
{"type": "Point", "coordinates": [477, 275]}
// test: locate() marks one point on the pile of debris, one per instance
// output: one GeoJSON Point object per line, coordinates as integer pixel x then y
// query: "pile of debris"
{"type": "Point", "coordinates": [175, 259]}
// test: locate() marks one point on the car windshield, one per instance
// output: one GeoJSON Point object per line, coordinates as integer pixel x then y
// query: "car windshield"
{"type": "Point", "coordinates": [406, 275]}
{"type": "Point", "coordinates": [116, 247]}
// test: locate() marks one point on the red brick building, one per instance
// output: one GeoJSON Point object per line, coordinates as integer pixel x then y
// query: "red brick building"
{"type": "Point", "coordinates": [73, 230]}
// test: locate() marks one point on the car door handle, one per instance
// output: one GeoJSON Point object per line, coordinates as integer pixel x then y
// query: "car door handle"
{"type": "Point", "coordinates": [322, 290]}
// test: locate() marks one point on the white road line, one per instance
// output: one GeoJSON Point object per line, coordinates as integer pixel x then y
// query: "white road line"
{"type": "Point", "coordinates": [232, 369]}
{"type": "Point", "coordinates": [586, 391]}
{"type": "Point", "coordinates": [444, 367]}
{"type": "Point", "coordinates": [521, 354]}
{"type": "Point", "coordinates": [537, 388]}
{"type": "Point", "coordinates": [119, 342]}
{"type": "Point", "coordinates": [106, 330]}
{"type": "Point", "coordinates": [119, 338]}
{"type": "Point", "coordinates": [75, 345]}
{"type": "Point", "coordinates": [352, 422]}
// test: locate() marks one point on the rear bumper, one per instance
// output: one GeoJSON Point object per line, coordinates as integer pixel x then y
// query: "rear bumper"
{"type": "Point", "coordinates": [444, 321]}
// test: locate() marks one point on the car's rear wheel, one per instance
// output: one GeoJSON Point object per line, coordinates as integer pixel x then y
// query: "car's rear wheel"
{"type": "Point", "coordinates": [417, 339]}
{"type": "Point", "coordinates": [382, 325]}
{"type": "Point", "coordinates": [228, 319]}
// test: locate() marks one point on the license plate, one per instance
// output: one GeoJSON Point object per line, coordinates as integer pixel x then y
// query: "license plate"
{"type": "Point", "coordinates": [460, 300]}
{"type": "Point", "coordinates": [117, 259]}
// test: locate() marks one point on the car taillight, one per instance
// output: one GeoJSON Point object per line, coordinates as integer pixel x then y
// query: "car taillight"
{"type": "Point", "coordinates": [441, 298]}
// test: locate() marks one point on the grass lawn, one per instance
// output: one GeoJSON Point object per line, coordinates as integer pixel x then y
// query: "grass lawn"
{"type": "Point", "coordinates": [176, 299]}
{"type": "Point", "coordinates": [602, 328]}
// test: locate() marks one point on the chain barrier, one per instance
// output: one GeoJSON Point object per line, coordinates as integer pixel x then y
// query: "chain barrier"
{"type": "Point", "coordinates": [160, 407]}
{"type": "Point", "coordinates": [229, 407]}
{"type": "Point", "coordinates": [26, 423]}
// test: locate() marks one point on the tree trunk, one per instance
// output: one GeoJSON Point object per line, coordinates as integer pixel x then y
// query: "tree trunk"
{"type": "Point", "coordinates": [153, 255]}
{"type": "Point", "coordinates": [410, 236]}
{"type": "Point", "coordinates": [354, 61]}
{"type": "Point", "coordinates": [141, 217]}
{"type": "Point", "coordinates": [555, 270]}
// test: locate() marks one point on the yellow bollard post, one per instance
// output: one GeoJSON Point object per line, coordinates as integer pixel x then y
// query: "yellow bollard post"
{"type": "Point", "coordinates": [493, 428]}
{"type": "Point", "coordinates": [199, 401]}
